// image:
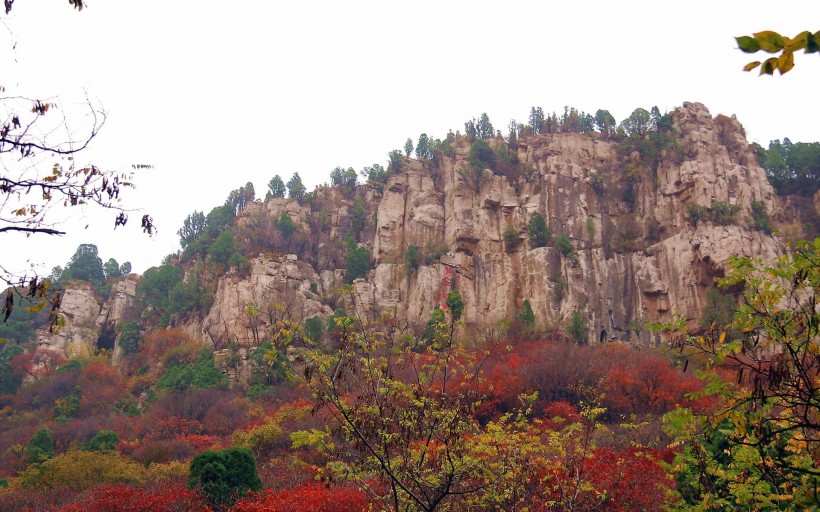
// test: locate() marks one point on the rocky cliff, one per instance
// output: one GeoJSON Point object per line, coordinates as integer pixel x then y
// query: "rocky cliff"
{"type": "Point", "coordinates": [643, 249]}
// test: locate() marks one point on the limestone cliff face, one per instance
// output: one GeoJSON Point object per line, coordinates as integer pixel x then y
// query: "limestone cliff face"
{"type": "Point", "coordinates": [640, 253]}
{"type": "Point", "coordinates": [638, 260]}
{"type": "Point", "coordinates": [89, 322]}
{"type": "Point", "coordinates": [245, 307]}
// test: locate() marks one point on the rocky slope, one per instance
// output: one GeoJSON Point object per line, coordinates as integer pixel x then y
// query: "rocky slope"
{"type": "Point", "coordinates": [639, 257]}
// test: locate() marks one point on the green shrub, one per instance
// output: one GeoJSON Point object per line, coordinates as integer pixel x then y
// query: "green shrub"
{"type": "Point", "coordinates": [102, 441]}
{"type": "Point", "coordinates": [455, 304]}
{"type": "Point", "coordinates": [314, 328]}
{"type": "Point", "coordinates": [202, 374]}
{"type": "Point", "coordinates": [40, 447]}
{"type": "Point", "coordinates": [224, 476]}
{"type": "Point", "coordinates": [222, 248]}
{"type": "Point", "coordinates": [527, 316]}
{"type": "Point", "coordinates": [537, 230]}
{"type": "Point", "coordinates": [695, 213]}
{"type": "Point", "coordinates": [413, 258]}
{"type": "Point", "coordinates": [357, 264]}
{"type": "Point", "coordinates": [719, 309]}
{"type": "Point", "coordinates": [596, 182]}
{"type": "Point", "coordinates": [563, 244]}
{"type": "Point", "coordinates": [285, 225]}
{"type": "Point", "coordinates": [511, 238]}
{"type": "Point", "coordinates": [723, 213]}
{"type": "Point", "coordinates": [130, 337]}
{"type": "Point", "coordinates": [760, 217]}
{"type": "Point", "coordinates": [577, 328]}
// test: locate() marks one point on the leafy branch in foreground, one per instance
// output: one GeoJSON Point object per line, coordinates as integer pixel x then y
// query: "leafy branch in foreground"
{"type": "Point", "coordinates": [404, 415]}
{"type": "Point", "coordinates": [758, 447]}
{"type": "Point", "coordinates": [772, 42]}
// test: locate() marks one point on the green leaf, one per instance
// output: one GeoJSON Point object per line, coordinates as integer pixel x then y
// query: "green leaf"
{"type": "Point", "coordinates": [747, 44]}
{"type": "Point", "coordinates": [770, 41]}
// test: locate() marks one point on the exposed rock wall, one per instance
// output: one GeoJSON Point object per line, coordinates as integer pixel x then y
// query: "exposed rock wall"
{"type": "Point", "coordinates": [639, 257]}
{"type": "Point", "coordinates": [636, 262]}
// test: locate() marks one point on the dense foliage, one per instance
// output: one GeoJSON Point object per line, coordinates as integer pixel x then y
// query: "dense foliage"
{"type": "Point", "coordinates": [792, 168]}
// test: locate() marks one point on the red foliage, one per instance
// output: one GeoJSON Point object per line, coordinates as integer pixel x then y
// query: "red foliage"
{"type": "Point", "coordinates": [157, 344]}
{"type": "Point", "coordinates": [200, 443]}
{"type": "Point", "coordinates": [153, 428]}
{"type": "Point", "coordinates": [615, 480]}
{"type": "Point", "coordinates": [632, 381]}
{"type": "Point", "coordinates": [37, 364]}
{"type": "Point", "coordinates": [567, 413]}
{"type": "Point", "coordinates": [124, 498]}
{"type": "Point", "coordinates": [307, 498]}
{"type": "Point", "coordinates": [102, 386]}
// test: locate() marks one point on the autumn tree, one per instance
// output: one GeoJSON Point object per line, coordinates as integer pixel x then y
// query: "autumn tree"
{"type": "Point", "coordinates": [757, 448]}
{"type": "Point", "coordinates": [405, 417]}
{"type": "Point", "coordinates": [31, 132]}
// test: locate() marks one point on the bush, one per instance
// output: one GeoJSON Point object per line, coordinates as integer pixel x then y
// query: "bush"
{"type": "Point", "coordinates": [719, 309]}
{"type": "Point", "coordinates": [577, 328]}
{"type": "Point", "coordinates": [222, 248]}
{"type": "Point", "coordinates": [760, 217]}
{"type": "Point", "coordinates": [358, 264]}
{"type": "Point", "coordinates": [224, 476]}
{"type": "Point", "coordinates": [40, 446]}
{"type": "Point", "coordinates": [723, 213]}
{"type": "Point", "coordinates": [563, 244]}
{"type": "Point", "coordinates": [527, 316]}
{"type": "Point", "coordinates": [80, 470]}
{"type": "Point", "coordinates": [455, 304]}
{"type": "Point", "coordinates": [695, 213]}
{"type": "Point", "coordinates": [314, 328]}
{"type": "Point", "coordinates": [202, 374]}
{"type": "Point", "coordinates": [103, 440]}
{"type": "Point", "coordinates": [413, 258]}
{"type": "Point", "coordinates": [511, 238]}
{"type": "Point", "coordinates": [286, 225]}
{"type": "Point", "coordinates": [596, 182]}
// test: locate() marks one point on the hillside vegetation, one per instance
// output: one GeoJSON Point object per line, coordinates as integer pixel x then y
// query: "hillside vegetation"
{"type": "Point", "coordinates": [177, 396]}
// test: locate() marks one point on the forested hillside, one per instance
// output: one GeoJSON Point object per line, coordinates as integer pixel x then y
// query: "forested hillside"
{"type": "Point", "coordinates": [578, 314]}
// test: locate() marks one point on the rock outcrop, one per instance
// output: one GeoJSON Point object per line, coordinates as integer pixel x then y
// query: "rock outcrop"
{"type": "Point", "coordinates": [643, 247]}
{"type": "Point", "coordinates": [638, 256]}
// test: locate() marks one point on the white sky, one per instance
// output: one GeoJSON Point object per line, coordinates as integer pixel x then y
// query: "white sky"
{"type": "Point", "coordinates": [216, 94]}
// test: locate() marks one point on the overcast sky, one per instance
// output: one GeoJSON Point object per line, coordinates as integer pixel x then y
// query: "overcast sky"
{"type": "Point", "coordinates": [216, 94]}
